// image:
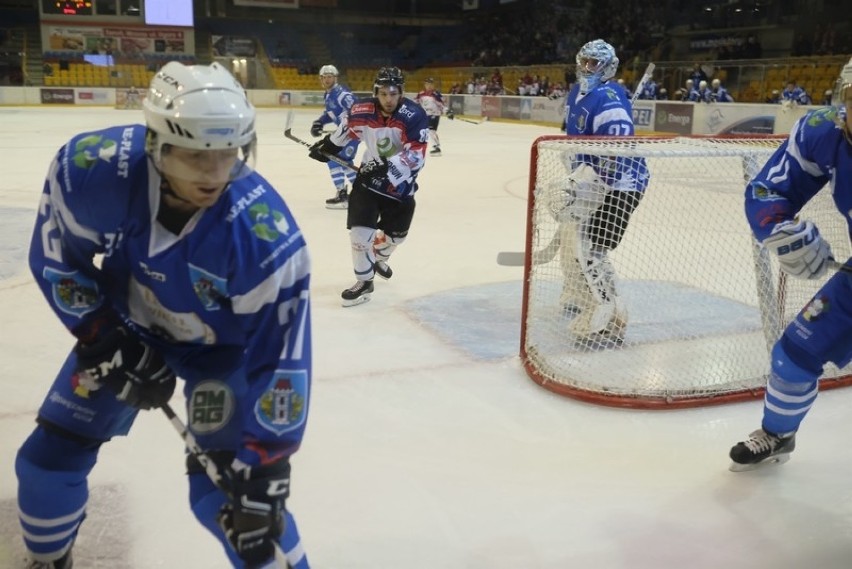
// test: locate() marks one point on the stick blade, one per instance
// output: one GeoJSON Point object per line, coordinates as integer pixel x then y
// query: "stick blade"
{"type": "Point", "coordinates": [511, 258]}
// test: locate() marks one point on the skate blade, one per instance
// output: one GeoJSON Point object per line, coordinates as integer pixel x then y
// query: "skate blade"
{"type": "Point", "coordinates": [771, 461]}
{"type": "Point", "coordinates": [355, 302]}
{"type": "Point", "coordinates": [336, 206]}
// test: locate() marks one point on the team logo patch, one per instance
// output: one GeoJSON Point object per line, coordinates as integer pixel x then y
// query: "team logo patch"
{"type": "Point", "coordinates": [764, 194]}
{"type": "Point", "coordinates": [283, 407]}
{"type": "Point", "coordinates": [89, 149]}
{"type": "Point", "coordinates": [209, 288]}
{"type": "Point", "coordinates": [211, 406]}
{"type": "Point", "coordinates": [816, 308]}
{"type": "Point", "coordinates": [269, 224]}
{"type": "Point", "coordinates": [73, 293]}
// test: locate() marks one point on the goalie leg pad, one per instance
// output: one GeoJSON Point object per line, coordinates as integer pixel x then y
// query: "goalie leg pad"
{"type": "Point", "coordinates": [576, 295]}
{"type": "Point", "coordinates": [607, 315]}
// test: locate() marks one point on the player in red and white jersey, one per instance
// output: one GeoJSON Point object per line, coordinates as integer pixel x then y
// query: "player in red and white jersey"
{"type": "Point", "coordinates": [395, 131]}
{"type": "Point", "coordinates": [433, 103]}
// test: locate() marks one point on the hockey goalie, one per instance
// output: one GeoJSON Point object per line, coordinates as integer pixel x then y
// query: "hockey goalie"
{"type": "Point", "coordinates": [592, 205]}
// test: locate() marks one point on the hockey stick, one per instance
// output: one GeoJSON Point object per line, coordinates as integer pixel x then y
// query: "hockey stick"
{"type": "Point", "coordinates": [288, 132]}
{"type": "Point", "coordinates": [649, 71]}
{"type": "Point", "coordinates": [210, 468]}
{"type": "Point", "coordinates": [484, 119]}
{"type": "Point", "coordinates": [540, 257]}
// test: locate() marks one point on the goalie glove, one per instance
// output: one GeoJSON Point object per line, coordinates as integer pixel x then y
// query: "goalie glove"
{"type": "Point", "coordinates": [253, 520]}
{"type": "Point", "coordinates": [800, 249]}
{"type": "Point", "coordinates": [576, 198]}
{"type": "Point", "coordinates": [316, 129]}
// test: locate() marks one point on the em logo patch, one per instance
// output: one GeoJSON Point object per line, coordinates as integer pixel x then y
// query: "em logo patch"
{"type": "Point", "coordinates": [283, 407]}
{"type": "Point", "coordinates": [211, 406]}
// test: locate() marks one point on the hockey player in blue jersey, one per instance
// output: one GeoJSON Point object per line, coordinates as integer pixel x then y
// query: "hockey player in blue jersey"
{"type": "Point", "coordinates": [594, 203]}
{"type": "Point", "coordinates": [395, 131]}
{"type": "Point", "coordinates": [203, 275]}
{"type": "Point", "coordinates": [818, 152]}
{"type": "Point", "coordinates": [338, 101]}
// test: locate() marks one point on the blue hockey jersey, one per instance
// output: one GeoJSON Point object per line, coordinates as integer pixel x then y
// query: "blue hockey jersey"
{"type": "Point", "coordinates": [605, 111]}
{"type": "Point", "coordinates": [338, 101]}
{"type": "Point", "coordinates": [227, 297]}
{"type": "Point", "coordinates": [815, 154]}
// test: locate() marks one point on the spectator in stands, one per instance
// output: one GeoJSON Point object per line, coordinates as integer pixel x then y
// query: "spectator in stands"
{"type": "Point", "coordinates": [626, 88]}
{"type": "Point", "coordinates": [663, 94]}
{"type": "Point", "coordinates": [774, 97]}
{"type": "Point", "coordinates": [649, 90]}
{"type": "Point", "coordinates": [718, 94]}
{"type": "Point", "coordinates": [698, 75]}
{"type": "Point", "coordinates": [795, 94]}
{"type": "Point", "coordinates": [826, 97]}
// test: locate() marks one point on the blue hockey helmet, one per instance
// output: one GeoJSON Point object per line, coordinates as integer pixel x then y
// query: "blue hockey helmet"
{"type": "Point", "coordinates": [596, 63]}
{"type": "Point", "coordinates": [388, 77]}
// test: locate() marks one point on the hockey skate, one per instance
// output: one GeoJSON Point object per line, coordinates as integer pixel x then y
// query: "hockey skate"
{"type": "Point", "coordinates": [340, 201]}
{"type": "Point", "coordinates": [383, 269]}
{"type": "Point", "coordinates": [358, 293]}
{"type": "Point", "coordinates": [761, 448]}
{"type": "Point", "coordinates": [435, 151]}
{"type": "Point", "coordinates": [64, 562]}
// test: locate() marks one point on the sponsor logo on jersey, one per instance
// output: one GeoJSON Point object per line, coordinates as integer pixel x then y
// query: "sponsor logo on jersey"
{"type": "Point", "coordinates": [283, 406]}
{"type": "Point", "coordinates": [154, 275]}
{"type": "Point", "coordinates": [385, 147]}
{"type": "Point", "coordinates": [816, 308]}
{"type": "Point", "coordinates": [211, 406]}
{"type": "Point", "coordinates": [73, 293]}
{"type": "Point", "coordinates": [89, 149]}
{"type": "Point", "coordinates": [244, 202]}
{"type": "Point", "coordinates": [269, 224]}
{"type": "Point", "coordinates": [822, 115]}
{"type": "Point", "coordinates": [124, 152]}
{"type": "Point", "coordinates": [367, 107]}
{"type": "Point", "coordinates": [404, 110]}
{"type": "Point", "coordinates": [210, 289]}
{"type": "Point", "coordinates": [764, 194]}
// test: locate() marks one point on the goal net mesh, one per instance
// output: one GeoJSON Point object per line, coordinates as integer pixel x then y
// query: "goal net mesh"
{"type": "Point", "coordinates": [701, 301]}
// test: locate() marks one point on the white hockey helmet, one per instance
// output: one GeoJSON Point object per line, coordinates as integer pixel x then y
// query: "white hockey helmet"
{"type": "Point", "coordinates": [199, 107]}
{"type": "Point", "coordinates": [328, 70]}
{"type": "Point", "coordinates": [596, 63]}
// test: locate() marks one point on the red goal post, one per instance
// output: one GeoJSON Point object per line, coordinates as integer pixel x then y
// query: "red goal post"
{"type": "Point", "coordinates": [704, 300]}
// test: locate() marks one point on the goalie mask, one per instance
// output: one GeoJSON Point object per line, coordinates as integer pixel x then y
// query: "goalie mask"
{"type": "Point", "coordinates": [596, 63]}
{"type": "Point", "coordinates": [200, 125]}
{"type": "Point", "coordinates": [842, 99]}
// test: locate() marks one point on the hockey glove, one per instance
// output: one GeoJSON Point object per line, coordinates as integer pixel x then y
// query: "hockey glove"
{"type": "Point", "coordinates": [324, 149]}
{"type": "Point", "coordinates": [316, 129]}
{"type": "Point", "coordinates": [801, 250]}
{"type": "Point", "coordinates": [129, 367]}
{"type": "Point", "coordinates": [450, 114]}
{"type": "Point", "coordinates": [253, 520]}
{"type": "Point", "coordinates": [373, 174]}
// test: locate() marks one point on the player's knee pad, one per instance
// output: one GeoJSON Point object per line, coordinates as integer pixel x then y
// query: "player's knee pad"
{"type": "Point", "coordinates": [362, 238]}
{"type": "Point", "coordinates": [51, 449]}
{"type": "Point", "coordinates": [793, 369]}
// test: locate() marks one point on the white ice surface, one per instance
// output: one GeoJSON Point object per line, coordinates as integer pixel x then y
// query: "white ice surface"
{"type": "Point", "coordinates": [419, 454]}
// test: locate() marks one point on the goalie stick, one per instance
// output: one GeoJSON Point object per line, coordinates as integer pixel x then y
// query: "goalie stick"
{"type": "Point", "coordinates": [288, 132]}
{"type": "Point", "coordinates": [210, 468]}
{"type": "Point", "coordinates": [516, 258]}
{"type": "Point", "coordinates": [484, 119]}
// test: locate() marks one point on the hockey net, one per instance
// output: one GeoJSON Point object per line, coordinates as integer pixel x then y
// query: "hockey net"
{"type": "Point", "coordinates": [129, 99]}
{"type": "Point", "coordinates": [704, 300]}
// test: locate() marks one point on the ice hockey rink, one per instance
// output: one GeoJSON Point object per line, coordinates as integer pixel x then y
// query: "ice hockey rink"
{"type": "Point", "coordinates": [427, 445]}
